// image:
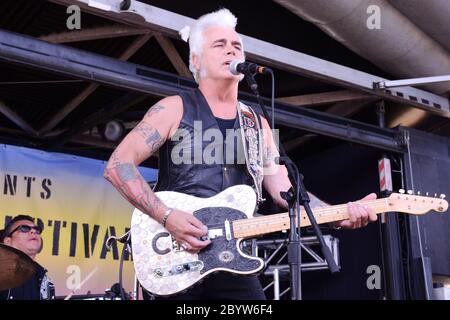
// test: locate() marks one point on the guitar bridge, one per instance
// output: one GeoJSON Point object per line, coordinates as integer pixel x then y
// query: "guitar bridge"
{"type": "Point", "coordinates": [178, 269]}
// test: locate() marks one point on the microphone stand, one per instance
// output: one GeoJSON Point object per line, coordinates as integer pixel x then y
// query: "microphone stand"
{"type": "Point", "coordinates": [295, 196]}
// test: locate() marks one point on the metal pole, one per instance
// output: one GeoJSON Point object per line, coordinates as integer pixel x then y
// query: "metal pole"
{"type": "Point", "coordinates": [276, 284]}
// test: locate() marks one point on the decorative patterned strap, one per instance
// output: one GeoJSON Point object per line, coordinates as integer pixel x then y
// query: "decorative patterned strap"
{"type": "Point", "coordinates": [252, 140]}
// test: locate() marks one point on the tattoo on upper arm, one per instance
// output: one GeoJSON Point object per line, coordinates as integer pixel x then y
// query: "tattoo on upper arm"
{"type": "Point", "coordinates": [151, 135]}
{"type": "Point", "coordinates": [153, 110]}
{"type": "Point", "coordinates": [154, 140]}
{"type": "Point", "coordinates": [269, 156]}
{"type": "Point", "coordinates": [316, 202]}
{"type": "Point", "coordinates": [143, 129]}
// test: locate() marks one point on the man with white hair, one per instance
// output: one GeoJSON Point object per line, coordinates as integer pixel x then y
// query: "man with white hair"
{"type": "Point", "coordinates": [172, 123]}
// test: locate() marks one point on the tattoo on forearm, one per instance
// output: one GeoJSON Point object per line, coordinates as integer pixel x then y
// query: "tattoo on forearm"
{"type": "Point", "coordinates": [127, 172]}
{"type": "Point", "coordinates": [144, 199]}
{"type": "Point", "coordinates": [129, 182]}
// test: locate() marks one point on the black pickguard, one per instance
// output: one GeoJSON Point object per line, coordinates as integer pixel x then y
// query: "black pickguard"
{"type": "Point", "coordinates": [215, 218]}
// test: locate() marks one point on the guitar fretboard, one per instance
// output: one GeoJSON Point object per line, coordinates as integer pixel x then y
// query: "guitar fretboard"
{"type": "Point", "coordinates": [246, 228]}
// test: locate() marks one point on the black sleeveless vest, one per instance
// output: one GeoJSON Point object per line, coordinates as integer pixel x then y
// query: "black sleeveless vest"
{"type": "Point", "coordinates": [199, 179]}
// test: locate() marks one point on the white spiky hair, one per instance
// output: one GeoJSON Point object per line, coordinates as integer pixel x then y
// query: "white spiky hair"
{"type": "Point", "coordinates": [194, 34]}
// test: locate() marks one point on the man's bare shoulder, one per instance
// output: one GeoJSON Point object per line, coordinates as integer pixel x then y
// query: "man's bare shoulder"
{"type": "Point", "coordinates": [165, 115]}
{"type": "Point", "coordinates": [167, 109]}
{"type": "Point", "coordinates": [169, 104]}
{"type": "Point", "coordinates": [174, 101]}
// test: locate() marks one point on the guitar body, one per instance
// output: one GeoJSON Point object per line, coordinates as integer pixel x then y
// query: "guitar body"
{"type": "Point", "coordinates": [163, 267]}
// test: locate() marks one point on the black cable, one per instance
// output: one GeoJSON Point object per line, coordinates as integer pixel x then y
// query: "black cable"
{"type": "Point", "coordinates": [272, 75]}
{"type": "Point", "coordinates": [122, 258]}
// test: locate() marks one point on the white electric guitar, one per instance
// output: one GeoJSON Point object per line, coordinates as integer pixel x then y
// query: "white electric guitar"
{"type": "Point", "coordinates": [164, 268]}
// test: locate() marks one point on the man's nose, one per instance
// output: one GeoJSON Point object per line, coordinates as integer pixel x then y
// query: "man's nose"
{"type": "Point", "coordinates": [231, 51]}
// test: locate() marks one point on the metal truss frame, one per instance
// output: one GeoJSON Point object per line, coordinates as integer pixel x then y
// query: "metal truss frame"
{"type": "Point", "coordinates": [79, 64]}
{"type": "Point", "coordinates": [274, 253]}
{"type": "Point", "coordinates": [140, 15]}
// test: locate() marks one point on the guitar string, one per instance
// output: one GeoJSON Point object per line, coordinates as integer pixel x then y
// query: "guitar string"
{"type": "Point", "coordinates": [323, 212]}
{"type": "Point", "coordinates": [378, 205]}
{"type": "Point", "coordinates": [274, 219]}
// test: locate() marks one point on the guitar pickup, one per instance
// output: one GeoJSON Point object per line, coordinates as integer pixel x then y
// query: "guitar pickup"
{"type": "Point", "coordinates": [178, 269]}
{"type": "Point", "coordinates": [213, 233]}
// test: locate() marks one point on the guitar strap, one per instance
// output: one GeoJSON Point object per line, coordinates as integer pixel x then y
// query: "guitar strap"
{"type": "Point", "coordinates": [252, 140]}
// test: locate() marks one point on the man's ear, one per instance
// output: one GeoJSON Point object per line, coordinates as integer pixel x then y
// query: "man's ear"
{"type": "Point", "coordinates": [7, 240]}
{"type": "Point", "coordinates": [196, 62]}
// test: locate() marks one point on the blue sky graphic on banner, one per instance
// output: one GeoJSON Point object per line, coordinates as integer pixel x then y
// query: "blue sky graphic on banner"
{"type": "Point", "coordinates": [78, 210]}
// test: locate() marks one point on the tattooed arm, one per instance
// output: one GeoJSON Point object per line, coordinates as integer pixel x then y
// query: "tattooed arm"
{"type": "Point", "coordinates": [158, 125]}
{"type": "Point", "coordinates": [143, 141]}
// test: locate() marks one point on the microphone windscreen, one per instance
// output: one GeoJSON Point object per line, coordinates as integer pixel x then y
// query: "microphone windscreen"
{"type": "Point", "coordinates": [234, 66]}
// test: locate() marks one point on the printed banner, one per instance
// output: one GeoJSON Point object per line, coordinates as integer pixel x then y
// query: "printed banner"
{"type": "Point", "coordinates": [78, 210]}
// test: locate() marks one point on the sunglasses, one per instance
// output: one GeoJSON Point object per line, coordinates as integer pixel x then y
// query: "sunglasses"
{"type": "Point", "coordinates": [25, 229]}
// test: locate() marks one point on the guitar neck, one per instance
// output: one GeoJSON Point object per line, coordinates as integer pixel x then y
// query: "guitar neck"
{"type": "Point", "coordinates": [246, 228]}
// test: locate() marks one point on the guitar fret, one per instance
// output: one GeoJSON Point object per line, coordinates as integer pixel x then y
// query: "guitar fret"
{"type": "Point", "coordinates": [278, 222]}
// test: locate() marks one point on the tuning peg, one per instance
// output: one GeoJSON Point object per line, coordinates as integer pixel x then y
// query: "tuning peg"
{"type": "Point", "coordinates": [402, 191]}
{"type": "Point", "coordinates": [442, 196]}
{"type": "Point", "coordinates": [426, 194]}
{"type": "Point", "coordinates": [418, 193]}
{"type": "Point", "coordinates": [435, 195]}
{"type": "Point", "coordinates": [410, 192]}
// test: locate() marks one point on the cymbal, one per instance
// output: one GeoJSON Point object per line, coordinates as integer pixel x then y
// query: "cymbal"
{"type": "Point", "coordinates": [16, 268]}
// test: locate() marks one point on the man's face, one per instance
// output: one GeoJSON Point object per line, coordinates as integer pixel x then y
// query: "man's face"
{"type": "Point", "coordinates": [221, 45]}
{"type": "Point", "coordinates": [29, 242]}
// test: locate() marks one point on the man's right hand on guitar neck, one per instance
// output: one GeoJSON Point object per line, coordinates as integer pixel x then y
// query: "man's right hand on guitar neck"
{"type": "Point", "coordinates": [187, 230]}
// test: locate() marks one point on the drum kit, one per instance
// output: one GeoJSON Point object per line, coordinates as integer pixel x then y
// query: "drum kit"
{"type": "Point", "coordinates": [16, 267]}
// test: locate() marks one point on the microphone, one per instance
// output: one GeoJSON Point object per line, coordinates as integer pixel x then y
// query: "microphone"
{"type": "Point", "coordinates": [238, 67]}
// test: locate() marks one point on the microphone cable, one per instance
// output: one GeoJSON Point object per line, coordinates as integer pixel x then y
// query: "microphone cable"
{"type": "Point", "coordinates": [125, 239]}
{"type": "Point", "coordinates": [272, 76]}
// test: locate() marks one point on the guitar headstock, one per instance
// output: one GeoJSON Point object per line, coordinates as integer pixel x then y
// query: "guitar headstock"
{"type": "Point", "coordinates": [416, 204]}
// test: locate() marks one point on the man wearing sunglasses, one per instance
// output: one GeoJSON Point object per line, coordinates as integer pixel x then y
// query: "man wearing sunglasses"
{"type": "Point", "coordinates": [21, 233]}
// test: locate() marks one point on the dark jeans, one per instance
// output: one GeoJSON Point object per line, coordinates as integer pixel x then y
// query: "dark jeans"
{"type": "Point", "coordinates": [220, 286]}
